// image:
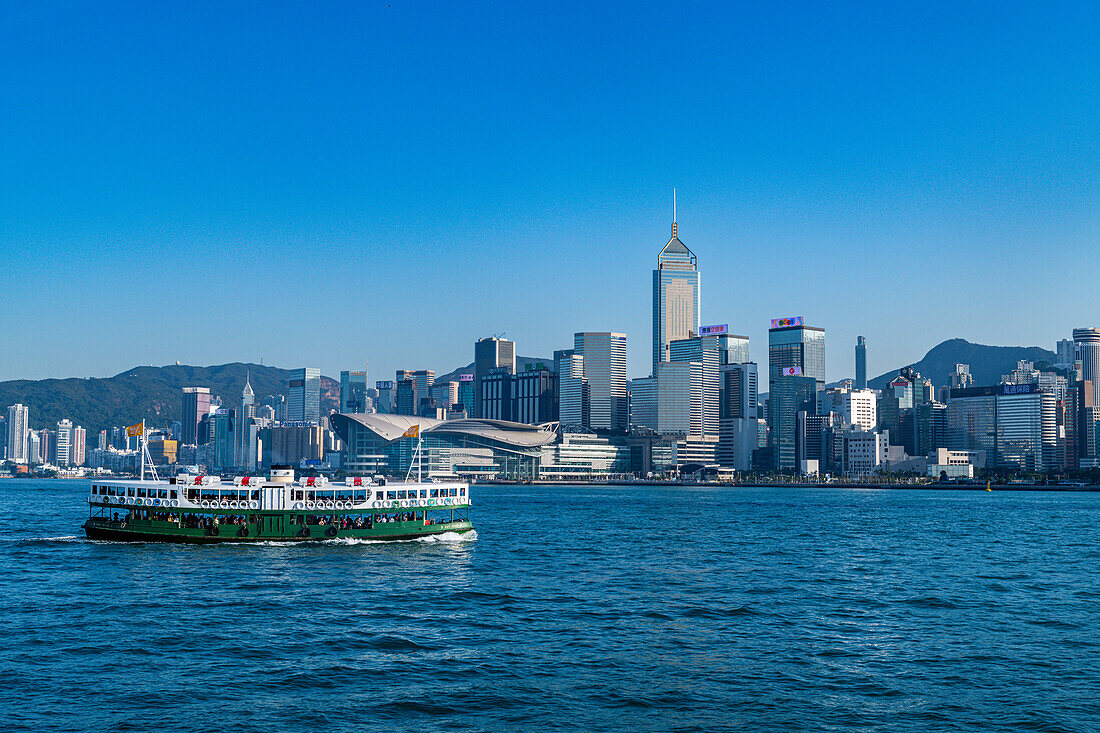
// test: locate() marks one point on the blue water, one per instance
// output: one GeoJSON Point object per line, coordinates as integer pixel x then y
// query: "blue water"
{"type": "Point", "coordinates": [584, 608]}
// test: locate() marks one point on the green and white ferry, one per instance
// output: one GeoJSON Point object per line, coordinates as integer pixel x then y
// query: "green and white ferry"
{"type": "Point", "coordinates": [208, 509]}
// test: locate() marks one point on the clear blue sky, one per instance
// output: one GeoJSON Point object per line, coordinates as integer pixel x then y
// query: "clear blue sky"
{"type": "Point", "coordinates": [327, 183]}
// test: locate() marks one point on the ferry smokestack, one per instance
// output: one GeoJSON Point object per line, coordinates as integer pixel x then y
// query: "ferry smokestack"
{"type": "Point", "coordinates": [282, 474]}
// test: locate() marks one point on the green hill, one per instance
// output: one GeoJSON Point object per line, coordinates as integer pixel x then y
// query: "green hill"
{"type": "Point", "coordinates": [987, 363]}
{"type": "Point", "coordinates": [152, 393]}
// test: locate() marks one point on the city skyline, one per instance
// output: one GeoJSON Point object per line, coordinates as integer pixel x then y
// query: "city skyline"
{"type": "Point", "coordinates": [506, 158]}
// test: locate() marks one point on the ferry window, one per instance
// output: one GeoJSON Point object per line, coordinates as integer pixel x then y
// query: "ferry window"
{"type": "Point", "coordinates": [400, 494]}
{"type": "Point", "coordinates": [435, 493]}
{"type": "Point", "coordinates": [256, 495]}
{"type": "Point", "coordinates": [173, 493]}
{"type": "Point", "coordinates": [129, 492]}
{"type": "Point", "coordinates": [423, 493]}
{"type": "Point", "coordinates": [141, 492]}
{"type": "Point", "coordinates": [454, 492]}
{"type": "Point", "coordinates": [462, 492]}
{"type": "Point", "coordinates": [164, 493]}
{"type": "Point", "coordinates": [391, 495]}
{"type": "Point", "coordinates": [378, 495]}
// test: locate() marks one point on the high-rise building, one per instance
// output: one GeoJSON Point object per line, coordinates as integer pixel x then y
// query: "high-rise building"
{"type": "Point", "coordinates": [78, 449]}
{"type": "Point", "coordinates": [929, 428]}
{"type": "Point", "coordinates": [712, 351]}
{"type": "Point", "coordinates": [1015, 424]}
{"type": "Point", "coordinates": [1086, 343]}
{"type": "Point", "coordinates": [405, 399]}
{"type": "Point", "coordinates": [573, 391]}
{"type": "Point", "coordinates": [675, 297]}
{"type": "Point", "coordinates": [386, 403]}
{"type": "Point", "coordinates": [1076, 423]}
{"type": "Point", "coordinates": [1066, 352]}
{"type": "Point", "coordinates": [353, 392]}
{"type": "Point", "coordinates": [861, 363]}
{"type": "Point", "coordinates": [466, 392]}
{"type": "Point", "coordinates": [787, 396]}
{"type": "Point", "coordinates": [497, 399]}
{"type": "Point", "coordinates": [489, 354]}
{"type": "Point", "coordinates": [196, 404]}
{"type": "Point", "coordinates": [303, 399]}
{"type": "Point", "coordinates": [738, 413]}
{"type": "Point", "coordinates": [18, 418]}
{"type": "Point", "coordinates": [424, 379]}
{"type": "Point", "coordinates": [961, 378]}
{"type": "Point", "coordinates": [64, 443]}
{"type": "Point", "coordinates": [34, 448]}
{"type": "Point", "coordinates": [604, 355]}
{"type": "Point", "coordinates": [680, 401]}
{"type": "Point", "coordinates": [856, 407]}
{"type": "Point", "coordinates": [796, 350]}
{"type": "Point", "coordinates": [245, 448]}
{"type": "Point", "coordinates": [536, 396]}
{"type": "Point", "coordinates": [445, 394]}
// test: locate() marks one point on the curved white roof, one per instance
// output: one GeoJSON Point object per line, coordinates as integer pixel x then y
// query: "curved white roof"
{"type": "Point", "coordinates": [392, 427]}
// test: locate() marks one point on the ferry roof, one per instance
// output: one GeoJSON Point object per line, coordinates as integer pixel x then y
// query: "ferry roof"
{"type": "Point", "coordinates": [392, 427]}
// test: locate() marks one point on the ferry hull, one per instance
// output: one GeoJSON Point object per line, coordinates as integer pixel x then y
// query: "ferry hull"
{"type": "Point", "coordinates": [138, 531]}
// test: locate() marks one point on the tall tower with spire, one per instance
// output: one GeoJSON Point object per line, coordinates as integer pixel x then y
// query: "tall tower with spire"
{"type": "Point", "coordinates": [675, 294]}
{"type": "Point", "coordinates": [245, 449]}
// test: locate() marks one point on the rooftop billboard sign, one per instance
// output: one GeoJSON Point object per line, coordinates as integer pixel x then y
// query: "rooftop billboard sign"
{"type": "Point", "coordinates": [792, 322]}
{"type": "Point", "coordinates": [714, 330]}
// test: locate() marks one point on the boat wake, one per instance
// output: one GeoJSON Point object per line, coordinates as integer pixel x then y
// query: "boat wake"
{"type": "Point", "coordinates": [446, 537]}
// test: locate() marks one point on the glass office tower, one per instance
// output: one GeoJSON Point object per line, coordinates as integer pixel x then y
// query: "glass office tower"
{"type": "Point", "coordinates": [675, 297]}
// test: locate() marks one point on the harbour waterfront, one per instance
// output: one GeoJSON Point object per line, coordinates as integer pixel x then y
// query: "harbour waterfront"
{"type": "Point", "coordinates": [575, 608]}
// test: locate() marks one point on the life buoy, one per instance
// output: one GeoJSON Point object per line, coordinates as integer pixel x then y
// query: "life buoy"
{"type": "Point", "coordinates": [297, 505]}
{"type": "Point", "coordinates": [204, 504]}
{"type": "Point", "coordinates": [330, 505]}
{"type": "Point", "coordinates": [253, 505]}
{"type": "Point", "coordinates": [175, 502]}
{"type": "Point", "coordinates": [423, 502]}
{"type": "Point", "coordinates": [242, 532]}
{"type": "Point", "coordinates": [122, 526]}
{"type": "Point", "coordinates": [215, 530]}
{"type": "Point", "coordinates": [224, 504]}
{"type": "Point", "coordinates": [331, 531]}
{"type": "Point", "coordinates": [431, 502]}
{"type": "Point", "coordinates": [396, 504]}
{"type": "Point", "coordinates": [304, 532]}
{"type": "Point", "coordinates": [376, 504]}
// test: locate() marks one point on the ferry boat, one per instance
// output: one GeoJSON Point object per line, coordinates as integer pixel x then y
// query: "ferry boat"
{"type": "Point", "coordinates": [208, 509]}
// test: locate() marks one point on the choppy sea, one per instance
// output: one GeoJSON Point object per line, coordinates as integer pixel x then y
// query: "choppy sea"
{"type": "Point", "coordinates": [573, 609]}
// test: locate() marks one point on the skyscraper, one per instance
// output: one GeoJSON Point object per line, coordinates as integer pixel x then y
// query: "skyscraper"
{"type": "Point", "coordinates": [712, 352]}
{"type": "Point", "coordinates": [1086, 344]}
{"type": "Point", "coordinates": [353, 392]}
{"type": "Point", "coordinates": [64, 443]}
{"type": "Point", "coordinates": [795, 349]}
{"type": "Point", "coordinates": [303, 400]}
{"type": "Point", "coordinates": [787, 396]}
{"type": "Point", "coordinates": [79, 446]}
{"type": "Point", "coordinates": [489, 354]}
{"type": "Point", "coordinates": [604, 355]}
{"type": "Point", "coordinates": [861, 363]}
{"type": "Point", "coordinates": [246, 451]}
{"type": "Point", "coordinates": [18, 416]}
{"type": "Point", "coordinates": [573, 390]}
{"type": "Point", "coordinates": [675, 296]}
{"type": "Point", "coordinates": [196, 403]}
{"type": "Point", "coordinates": [738, 424]}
